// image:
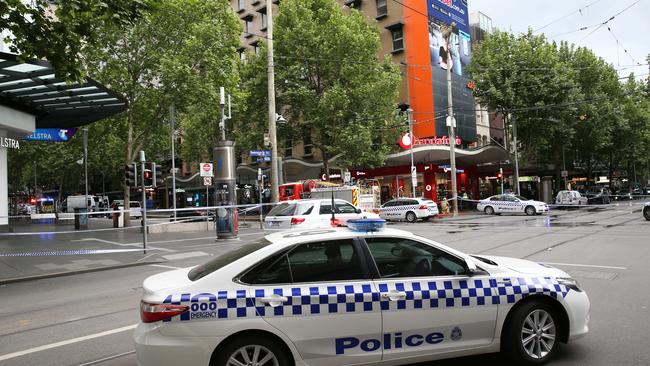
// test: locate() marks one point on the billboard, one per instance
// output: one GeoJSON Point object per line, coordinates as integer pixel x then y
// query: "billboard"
{"type": "Point", "coordinates": [442, 13]}
{"type": "Point", "coordinates": [51, 134]}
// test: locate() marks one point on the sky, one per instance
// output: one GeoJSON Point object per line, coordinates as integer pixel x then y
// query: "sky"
{"type": "Point", "coordinates": [631, 27]}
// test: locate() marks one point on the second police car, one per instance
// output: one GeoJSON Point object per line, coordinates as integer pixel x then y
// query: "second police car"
{"type": "Point", "coordinates": [337, 296]}
{"type": "Point", "coordinates": [509, 203]}
{"type": "Point", "coordinates": [409, 209]}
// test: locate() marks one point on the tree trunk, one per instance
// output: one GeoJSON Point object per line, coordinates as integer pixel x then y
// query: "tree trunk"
{"type": "Point", "coordinates": [326, 165]}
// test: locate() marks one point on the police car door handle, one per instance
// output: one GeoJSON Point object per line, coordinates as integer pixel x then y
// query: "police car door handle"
{"type": "Point", "coordinates": [274, 300]}
{"type": "Point", "coordinates": [394, 295]}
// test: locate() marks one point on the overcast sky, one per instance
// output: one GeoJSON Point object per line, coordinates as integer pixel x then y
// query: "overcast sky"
{"type": "Point", "coordinates": [631, 28]}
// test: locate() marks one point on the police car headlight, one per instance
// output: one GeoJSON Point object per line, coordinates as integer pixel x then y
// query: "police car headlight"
{"type": "Point", "coordinates": [570, 283]}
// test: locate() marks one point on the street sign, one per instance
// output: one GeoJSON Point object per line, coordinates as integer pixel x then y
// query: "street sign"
{"type": "Point", "coordinates": [564, 174]}
{"type": "Point", "coordinates": [259, 174]}
{"type": "Point", "coordinates": [346, 177]}
{"type": "Point", "coordinates": [206, 170]}
{"type": "Point", "coordinates": [207, 181]}
{"type": "Point", "coordinates": [263, 158]}
{"type": "Point", "coordinates": [260, 153]}
{"type": "Point", "coordinates": [414, 177]}
{"type": "Point", "coordinates": [451, 121]}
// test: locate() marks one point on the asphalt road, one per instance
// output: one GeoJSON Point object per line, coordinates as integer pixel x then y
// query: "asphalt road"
{"type": "Point", "coordinates": [87, 319]}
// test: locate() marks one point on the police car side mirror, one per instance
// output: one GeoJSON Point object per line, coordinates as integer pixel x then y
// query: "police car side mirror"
{"type": "Point", "coordinates": [470, 267]}
{"type": "Point", "coordinates": [358, 210]}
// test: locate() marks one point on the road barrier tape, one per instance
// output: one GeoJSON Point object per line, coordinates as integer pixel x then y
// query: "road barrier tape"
{"type": "Point", "coordinates": [52, 253]}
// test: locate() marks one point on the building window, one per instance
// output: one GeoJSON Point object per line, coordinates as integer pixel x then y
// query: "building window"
{"type": "Point", "coordinates": [308, 145]}
{"type": "Point", "coordinates": [256, 47]}
{"type": "Point", "coordinates": [382, 8]}
{"type": "Point", "coordinates": [264, 20]}
{"type": "Point", "coordinates": [242, 54]}
{"type": "Point", "coordinates": [288, 148]}
{"type": "Point", "coordinates": [397, 36]}
{"type": "Point", "coordinates": [248, 25]}
{"type": "Point", "coordinates": [241, 4]}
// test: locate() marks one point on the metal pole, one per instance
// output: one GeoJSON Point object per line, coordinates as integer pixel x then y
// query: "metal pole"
{"type": "Point", "coordinates": [564, 178]}
{"type": "Point", "coordinates": [501, 173]}
{"type": "Point", "coordinates": [207, 204]}
{"type": "Point", "coordinates": [451, 123]}
{"type": "Point", "coordinates": [222, 103]}
{"type": "Point", "coordinates": [414, 179]}
{"type": "Point", "coordinates": [144, 204]}
{"type": "Point", "coordinates": [171, 119]}
{"type": "Point", "coordinates": [86, 163]}
{"type": "Point", "coordinates": [271, 91]}
{"type": "Point", "coordinates": [35, 185]}
{"type": "Point", "coordinates": [261, 183]}
{"type": "Point", "coordinates": [514, 141]}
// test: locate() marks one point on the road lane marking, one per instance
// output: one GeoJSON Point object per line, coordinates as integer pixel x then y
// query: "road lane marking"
{"type": "Point", "coordinates": [584, 265]}
{"type": "Point", "coordinates": [171, 257]}
{"type": "Point", "coordinates": [163, 266]}
{"type": "Point", "coordinates": [107, 358]}
{"type": "Point", "coordinates": [66, 342]}
{"type": "Point", "coordinates": [123, 244]}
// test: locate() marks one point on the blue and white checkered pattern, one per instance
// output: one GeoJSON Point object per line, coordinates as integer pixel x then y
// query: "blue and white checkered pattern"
{"type": "Point", "coordinates": [362, 297]}
{"type": "Point", "coordinates": [400, 208]}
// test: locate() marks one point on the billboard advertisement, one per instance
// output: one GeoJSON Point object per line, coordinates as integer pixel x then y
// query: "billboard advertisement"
{"type": "Point", "coordinates": [51, 134]}
{"type": "Point", "coordinates": [454, 55]}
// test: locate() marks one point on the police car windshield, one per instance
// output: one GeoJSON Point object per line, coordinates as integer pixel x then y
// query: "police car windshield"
{"type": "Point", "coordinates": [205, 269]}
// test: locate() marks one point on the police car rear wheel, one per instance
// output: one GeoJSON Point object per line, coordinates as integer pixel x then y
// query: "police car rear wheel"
{"type": "Point", "coordinates": [530, 210]}
{"type": "Point", "coordinates": [531, 336]}
{"type": "Point", "coordinates": [411, 217]}
{"type": "Point", "coordinates": [489, 210]}
{"type": "Point", "coordinates": [258, 352]}
{"type": "Point", "coordinates": [646, 213]}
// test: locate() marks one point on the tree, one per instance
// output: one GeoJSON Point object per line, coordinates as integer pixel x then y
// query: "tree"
{"type": "Point", "coordinates": [330, 83]}
{"type": "Point", "coordinates": [60, 33]}
{"type": "Point", "coordinates": [178, 54]}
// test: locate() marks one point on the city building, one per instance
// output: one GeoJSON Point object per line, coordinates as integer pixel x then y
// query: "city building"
{"type": "Point", "coordinates": [412, 35]}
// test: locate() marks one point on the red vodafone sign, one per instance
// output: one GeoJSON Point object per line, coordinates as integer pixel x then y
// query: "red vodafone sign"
{"type": "Point", "coordinates": [206, 170]}
{"type": "Point", "coordinates": [405, 141]}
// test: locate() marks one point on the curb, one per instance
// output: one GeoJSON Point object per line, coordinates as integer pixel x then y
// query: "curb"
{"type": "Point", "coordinates": [70, 273]}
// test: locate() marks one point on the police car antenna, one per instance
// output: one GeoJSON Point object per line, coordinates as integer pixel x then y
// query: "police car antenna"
{"type": "Point", "coordinates": [333, 217]}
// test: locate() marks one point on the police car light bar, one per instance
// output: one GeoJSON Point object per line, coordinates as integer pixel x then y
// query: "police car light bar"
{"type": "Point", "coordinates": [366, 225]}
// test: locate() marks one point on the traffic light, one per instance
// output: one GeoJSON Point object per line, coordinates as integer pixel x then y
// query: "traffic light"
{"type": "Point", "coordinates": [499, 175]}
{"type": "Point", "coordinates": [148, 178]}
{"type": "Point", "coordinates": [157, 174]}
{"type": "Point", "coordinates": [131, 175]}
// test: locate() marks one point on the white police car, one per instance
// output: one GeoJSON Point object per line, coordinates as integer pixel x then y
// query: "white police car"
{"type": "Point", "coordinates": [338, 297]}
{"type": "Point", "coordinates": [312, 214]}
{"type": "Point", "coordinates": [509, 203]}
{"type": "Point", "coordinates": [409, 209]}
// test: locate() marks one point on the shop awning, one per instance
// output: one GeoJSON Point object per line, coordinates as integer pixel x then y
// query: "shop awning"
{"type": "Point", "coordinates": [438, 154]}
{"type": "Point", "coordinates": [33, 88]}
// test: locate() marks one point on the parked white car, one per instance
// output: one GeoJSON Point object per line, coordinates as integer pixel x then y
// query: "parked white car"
{"type": "Point", "coordinates": [570, 198]}
{"type": "Point", "coordinates": [509, 203]}
{"type": "Point", "coordinates": [312, 213]}
{"type": "Point", "coordinates": [409, 209]}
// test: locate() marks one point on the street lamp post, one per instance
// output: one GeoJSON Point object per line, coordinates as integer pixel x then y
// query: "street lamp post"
{"type": "Point", "coordinates": [86, 163]}
{"type": "Point", "coordinates": [414, 178]}
{"type": "Point", "coordinates": [271, 91]}
{"type": "Point", "coordinates": [171, 121]}
{"type": "Point", "coordinates": [514, 141]}
{"type": "Point", "coordinates": [451, 121]}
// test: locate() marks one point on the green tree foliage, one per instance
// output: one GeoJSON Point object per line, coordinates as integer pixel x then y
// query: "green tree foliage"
{"type": "Point", "coordinates": [60, 33]}
{"type": "Point", "coordinates": [329, 82]}
{"type": "Point", "coordinates": [564, 98]}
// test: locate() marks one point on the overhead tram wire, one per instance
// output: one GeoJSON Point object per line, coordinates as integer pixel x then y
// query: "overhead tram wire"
{"type": "Point", "coordinates": [566, 16]}
{"type": "Point", "coordinates": [609, 20]}
{"type": "Point", "coordinates": [623, 47]}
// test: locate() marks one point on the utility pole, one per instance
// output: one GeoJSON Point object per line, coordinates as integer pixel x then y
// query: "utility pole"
{"type": "Point", "coordinates": [414, 177]}
{"type": "Point", "coordinates": [86, 163]}
{"type": "Point", "coordinates": [271, 85]}
{"type": "Point", "coordinates": [144, 203]}
{"type": "Point", "coordinates": [171, 121]}
{"type": "Point", "coordinates": [514, 141]}
{"type": "Point", "coordinates": [451, 121]}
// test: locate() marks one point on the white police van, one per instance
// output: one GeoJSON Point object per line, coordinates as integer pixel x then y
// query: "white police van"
{"type": "Point", "coordinates": [341, 296]}
{"type": "Point", "coordinates": [409, 209]}
{"type": "Point", "coordinates": [509, 203]}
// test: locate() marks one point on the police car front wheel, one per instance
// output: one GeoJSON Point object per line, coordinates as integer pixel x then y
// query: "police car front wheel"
{"type": "Point", "coordinates": [530, 210]}
{"type": "Point", "coordinates": [251, 352]}
{"type": "Point", "coordinates": [411, 217]}
{"type": "Point", "coordinates": [531, 337]}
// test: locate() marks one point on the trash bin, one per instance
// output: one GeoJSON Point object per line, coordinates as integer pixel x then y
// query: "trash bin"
{"type": "Point", "coordinates": [80, 219]}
